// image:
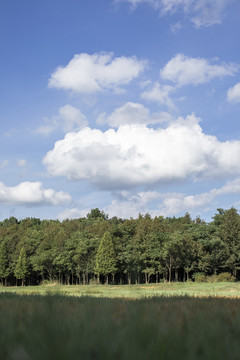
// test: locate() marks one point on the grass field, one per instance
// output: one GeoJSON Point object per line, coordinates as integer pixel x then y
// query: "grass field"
{"type": "Point", "coordinates": [121, 322]}
{"type": "Point", "coordinates": [133, 291]}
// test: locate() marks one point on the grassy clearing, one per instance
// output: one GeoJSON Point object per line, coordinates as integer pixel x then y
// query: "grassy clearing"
{"type": "Point", "coordinates": [133, 291]}
{"type": "Point", "coordinates": [162, 321]}
{"type": "Point", "coordinates": [62, 327]}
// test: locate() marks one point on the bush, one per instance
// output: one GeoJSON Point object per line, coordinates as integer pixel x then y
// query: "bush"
{"type": "Point", "coordinates": [46, 282]}
{"type": "Point", "coordinates": [225, 277]}
{"type": "Point", "coordinates": [212, 278]}
{"type": "Point", "coordinates": [199, 277]}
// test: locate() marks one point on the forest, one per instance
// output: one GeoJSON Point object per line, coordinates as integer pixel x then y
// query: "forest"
{"type": "Point", "coordinates": [98, 249]}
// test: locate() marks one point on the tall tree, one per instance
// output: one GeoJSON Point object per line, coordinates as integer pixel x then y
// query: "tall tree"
{"type": "Point", "coordinates": [4, 262]}
{"type": "Point", "coordinates": [106, 258]}
{"type": "Point", "coordinates": [21, 268]}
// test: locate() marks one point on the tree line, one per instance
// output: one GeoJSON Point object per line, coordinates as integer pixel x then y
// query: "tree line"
{"type": "Point", "coordinates": [96, 249]}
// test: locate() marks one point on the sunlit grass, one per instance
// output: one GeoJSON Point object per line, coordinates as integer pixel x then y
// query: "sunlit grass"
{"type": "Point", "coordinates": [133, 291]}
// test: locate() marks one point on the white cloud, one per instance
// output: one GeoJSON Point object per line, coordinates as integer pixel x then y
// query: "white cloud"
{"type": "Point", "coordinates": [184, 70]}
{"type": "Point", "coordinates": [4, 164]}
{"type": "Point", "coordinates": [233, 94]}
{"type": "Point", "coordinates": [22, 162]}
{"type": "Point", "coordinates": [126, 205]}
{"type": "Point", "coordinates": [133, 113]}
{"type": "Point", "coordinates": [176, 27]}
{"type": "Point", "coordinates": [72, 214]}
{"type": "Point", "coordinates": [47, 128]}
{"type": "Point", "coordinates": [72, 118]}
{"type": "Point", "coordinates": [178, 203]}
{"type": "Point", "coordinates": [159, 94]}
{"type": "Point", "coordinates": [69, 118]}
{"type": "Point", "coordinates": [136, 155]}
{"type": "Point", "coordinates": [93, 73]}
{"type": "Point", "coordinates": [31, 193]}
{"type": "Point", "coordinates": [200, 12]}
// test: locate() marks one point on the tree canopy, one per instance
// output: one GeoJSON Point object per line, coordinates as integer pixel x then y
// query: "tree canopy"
{"type": "Point", "coordinates": [96, 248]}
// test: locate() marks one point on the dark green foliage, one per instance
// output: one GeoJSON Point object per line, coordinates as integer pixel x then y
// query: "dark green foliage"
{"type": "Point", "coordinates": [21, 268]}
{"type": "Point", "coordinates": [106, 257]}
{"type": "Point", "coordinates": [85, 250]}
{"type": "Point", "coordinates": [97, 214]}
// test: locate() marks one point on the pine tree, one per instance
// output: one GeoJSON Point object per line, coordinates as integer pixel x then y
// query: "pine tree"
{"type": "Point", "coordinates": [106, 257]}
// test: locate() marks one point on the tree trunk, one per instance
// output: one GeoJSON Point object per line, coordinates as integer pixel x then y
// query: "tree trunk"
{"type": "Point", "coordinates": [129, 279]}
{"type": "Point", "coordinates": [176, 274]}
{"type": "Point", "coordinates": [113, 278]}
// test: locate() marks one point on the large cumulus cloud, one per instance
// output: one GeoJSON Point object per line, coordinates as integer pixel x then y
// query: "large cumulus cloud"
{"type": "Point", "coordinates": [135, 155]}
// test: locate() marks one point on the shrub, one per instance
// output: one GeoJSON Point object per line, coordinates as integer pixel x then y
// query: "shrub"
{"type": "Point", "coordinates": [225, 277]}
{"type": "Point", "coordinates": [212, 278]}
{"type": "Point", "coordinates": [199, 277]}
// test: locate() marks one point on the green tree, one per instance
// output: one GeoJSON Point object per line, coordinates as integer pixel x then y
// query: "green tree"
{"type": "Point", "coordinates": [21, 268]}
{"type": "Point", "coordinates": [106, 258]}
{"type": "Point", "coordinates": [171, 253]}
{"type": "Point", "coordinates": [230, 234]}
{"type": "Point", "coordinates": [97, 214]}
{"type": "Point", "coordinates": [4, 262]}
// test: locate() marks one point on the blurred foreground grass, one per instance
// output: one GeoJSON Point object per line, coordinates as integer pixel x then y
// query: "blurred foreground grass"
{"type": "Point", "coordinates": [64, 327]}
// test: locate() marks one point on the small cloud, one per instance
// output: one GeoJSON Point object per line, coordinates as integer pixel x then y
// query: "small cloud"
{"type": "Point", "coordinates": [4, 164]}
{"type": "Point", "coordinates": [89, 74]}
{"type": "Point", "coordinates": [22, 162]}
{"type": "Point", "coordinates": [69, 118]}
{"type": "Point", "coordinates": [133, 113]}
{"type": "Point", "coordinates": [31, 194]}
{"type": "Point", "coordinates": [176, 27]}
{"type": "Point", "coordinates": [72, 214]}
{"type": "Point", "coordinates": [233, 94]}
{"type": "Point", "coordinates": [159, 94]}
{"type": "Point", "coordinates": [183, 70]}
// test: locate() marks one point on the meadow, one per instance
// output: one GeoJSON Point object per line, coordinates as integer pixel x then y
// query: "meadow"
{"type": "Point", "coordinates": [219, 289]}
{"type": "Point", "coordinates": [121, 322]}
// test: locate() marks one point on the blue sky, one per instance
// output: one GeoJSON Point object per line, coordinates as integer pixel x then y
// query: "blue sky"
{"type": "Point", "coordinates": [132, 106]}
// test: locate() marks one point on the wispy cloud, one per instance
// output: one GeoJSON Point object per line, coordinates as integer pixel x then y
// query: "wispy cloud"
{"type": "Point", "coordinates": [200, 12]}
{"type": "Point", "coordinates": [69, 118]}
{"type": "Point", "coordinates": [133, 113]}
{"type": "Point", "coordinates": [155, 203]}
{"type": "Point", "coordinates": [183, 70]}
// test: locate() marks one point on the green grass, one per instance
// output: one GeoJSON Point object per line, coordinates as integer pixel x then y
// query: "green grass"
{"type": "Point", "coordinates": [62, 327]}
{"type": "Point", "coordinates": [144, 322]}
{"type": "Point", "coordinates": [133, 291]}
